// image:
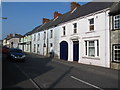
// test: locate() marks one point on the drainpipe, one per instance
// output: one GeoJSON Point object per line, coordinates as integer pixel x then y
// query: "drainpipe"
{"type": "Point", "coordinates": [110, 22]}
{"type": "Point", "coordinates": [47, 43]}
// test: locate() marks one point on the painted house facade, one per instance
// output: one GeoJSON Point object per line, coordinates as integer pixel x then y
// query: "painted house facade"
{"type": "Point", "coordinates": [86, 38]}
{"type": "Point", "coordinates": [27, 43]}
{"type": "Point", "coordinates": [6, 40]}
{"type": "Point", "coordinates": [14, 41]}
{"type": "Point", "coordinates": [82, 35]}
{"type": "Point", "coordinates": [115, 35]}
{"type": "Point", "coordinates": [46, 37]}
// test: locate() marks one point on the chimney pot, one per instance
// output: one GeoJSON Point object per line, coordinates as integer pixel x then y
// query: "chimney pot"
{"type": "Point", "coordinates": [11, 35]}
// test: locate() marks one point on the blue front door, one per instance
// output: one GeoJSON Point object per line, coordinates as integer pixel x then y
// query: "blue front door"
{"type": "Point", "coordinates": [64, 50]}
{"type": "Point", "coordinates": [75, 50]}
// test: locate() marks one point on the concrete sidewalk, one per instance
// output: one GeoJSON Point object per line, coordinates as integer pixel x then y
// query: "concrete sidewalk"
{"type": "Point", "coordinates": [90, 68]}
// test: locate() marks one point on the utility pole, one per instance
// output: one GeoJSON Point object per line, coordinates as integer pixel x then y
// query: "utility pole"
{"type": "Point", "coordinates": [4, 18]}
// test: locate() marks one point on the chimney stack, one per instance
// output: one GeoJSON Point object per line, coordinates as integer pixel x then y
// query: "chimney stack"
{"type": "Point", "coordinates": [11, 35]}
{"type": "Point", "coordinates": [56, 14]}
{"type": "Point", "coordinates": [74, 5]}
{"type": "Point", "coordinates": [45, 20]}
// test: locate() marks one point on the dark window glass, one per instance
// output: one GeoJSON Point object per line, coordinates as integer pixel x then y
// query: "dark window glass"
{"type": "Point", "coordinates": [116, 53]}
{"type": "Point", "coordinates": [86, 47]}
{"type": "Point", "coordinates": [64, 30]}
{"type": "Point", "coordinates": [51, 45]}
{"type": "Point", "coordinates": [75, 27]}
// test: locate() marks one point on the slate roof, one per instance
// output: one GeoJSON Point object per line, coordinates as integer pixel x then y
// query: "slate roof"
{"type": "Point", "coordinates": [115, 9]}
{"type": "Point", "coordinates": [17, 36]}
{"type": "Point", "coordinates": [53, 23]}
{"type": "Point", "coordinates": [33, 31]}
{"type": "Point", "coordinates": [86, 9]}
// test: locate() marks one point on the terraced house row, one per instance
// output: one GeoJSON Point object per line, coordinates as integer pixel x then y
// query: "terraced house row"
{"type": "Point", "coordinates": [87, 34]}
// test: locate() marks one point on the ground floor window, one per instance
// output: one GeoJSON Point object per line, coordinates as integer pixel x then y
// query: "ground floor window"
{"type": "Point", "coordinates": [92, 48]}
{"type": "Point", "coordinates": [34, 47]}
{"type": "Point", "coordinates": [27, 47]}
{"type": "Point", "coordinates": [37, 48]}
{"type": "Point", "coordinates": [116, 52]}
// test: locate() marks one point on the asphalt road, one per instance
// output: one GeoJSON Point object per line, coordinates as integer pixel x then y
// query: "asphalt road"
{"type": "Point", "coordinates": [40, 72]}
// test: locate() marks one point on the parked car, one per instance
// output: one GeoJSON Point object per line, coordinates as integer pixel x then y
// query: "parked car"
{"type": "Point", "coordinates": [15, 54]}
{"type": "Point", "coordinates": [5, 49]}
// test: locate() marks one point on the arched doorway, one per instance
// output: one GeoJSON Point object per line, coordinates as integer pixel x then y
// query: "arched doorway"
{"type": "Point", "coordinates": [64, 50]}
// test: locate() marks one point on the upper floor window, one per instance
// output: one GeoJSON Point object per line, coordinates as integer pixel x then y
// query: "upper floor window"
{"type": "Point", "coordinates": [64, 31]}
{"type": "Point", "coordinates": [51, 44]}
{"type": "Point", "coordinates": [44, 35]}
{"type": "Point", "coordinates": [34, 37]}
{"type": "Point", "coordinates": [117, 22]}
{"type": "Point", "coordinates": [75, 27]}
{"type": "Point", "coordinates": [19, 39]}
{"type": "Point", "coordinates": [38, 36]}
{"type": "Point", "coordinates": [34, 48]}
{"type": "Point", "coordinates": [91, 24]}
{"type": "Point", "coordinates": [116, 52]}
{"type": "Point", "coordinates": [51, 33]}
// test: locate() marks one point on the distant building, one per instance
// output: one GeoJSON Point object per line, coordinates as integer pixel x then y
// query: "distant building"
{"type": "Point", "coordinates": [25, 42]}
{"type": "Point", "coordinates": [12, 41]}
{"type": "Point", "coordinates": [6, 40]}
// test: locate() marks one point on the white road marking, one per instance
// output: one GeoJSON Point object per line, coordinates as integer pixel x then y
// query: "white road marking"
{"type": "Point", "coordinates": [86, 82]}
{"type": "Point", "coordinates": [27, 76]}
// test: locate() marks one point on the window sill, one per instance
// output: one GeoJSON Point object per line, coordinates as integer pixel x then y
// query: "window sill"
{"type": "Point", "coordinates": [88, 57]}
{"type": "Point", "coordinates": [115, 61]}
{"type": "Point", "coordinates": [74, 34]}
{"type": "Point", "coordinates": [90, 32]}
{"type": "Point", "coordinates": [115, 29]}
{"type": "Point", "coordinates": [63, 36]}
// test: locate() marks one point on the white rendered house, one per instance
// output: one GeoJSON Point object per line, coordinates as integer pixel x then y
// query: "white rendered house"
{"type": "Point", "coordinates": [86, 38]}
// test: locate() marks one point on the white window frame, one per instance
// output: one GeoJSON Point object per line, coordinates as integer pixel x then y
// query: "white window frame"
{"type": "Point", "coordinates": [38, 36]}
{"type": "Point", "coordinates": [93, 24]}
{"type": "Point", "coordinates": [87, 48]}
{"type": "Point", "coordinates": [114, 49]}
{"type": "Point", "coordinates": [115, 21]}
{"type": "Point", "coordinates": [74, 28]}
{"type": "Point", "coordinates": [51, 44]}
{"type": "Point", "coordinates": [51, 33]}
{"type": "Point", "coordinates": [38, 45]}
{"type": "Point", "coordinates": [64, 30]}
{"type": "Point", "coordinates": [34, 48]}
{"type": "Point", "coordinates": [44, 35]}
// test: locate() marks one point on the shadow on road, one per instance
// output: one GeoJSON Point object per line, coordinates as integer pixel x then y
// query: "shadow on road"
{"type": "Point", "coordinates": [12, 75]}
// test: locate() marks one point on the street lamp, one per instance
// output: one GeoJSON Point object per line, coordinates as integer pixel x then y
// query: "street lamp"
{"type": "Point", "coordinates": [4, 17]}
